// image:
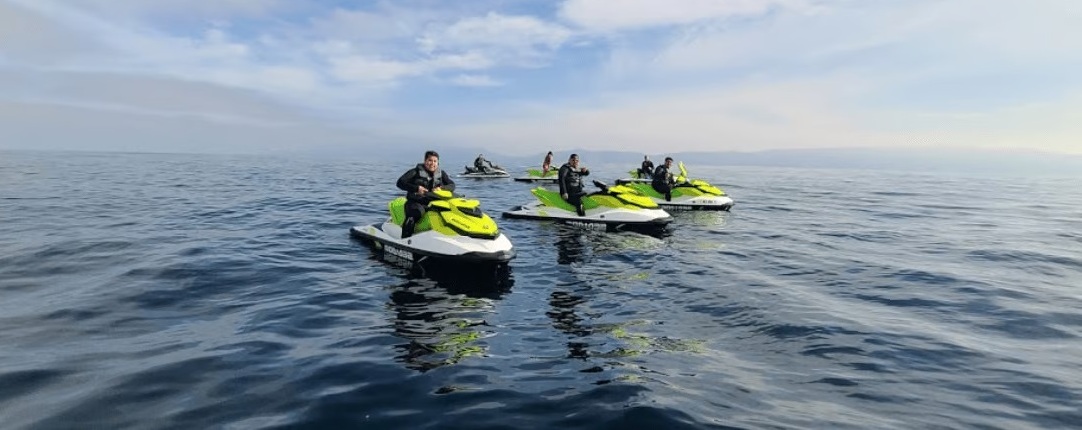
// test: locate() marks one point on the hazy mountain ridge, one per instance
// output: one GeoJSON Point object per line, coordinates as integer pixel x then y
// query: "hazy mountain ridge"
{"type": "Point", "coordinates": [1016, 162]}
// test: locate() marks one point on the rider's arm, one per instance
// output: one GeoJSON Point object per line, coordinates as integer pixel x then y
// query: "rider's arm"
{"type": "Point", "coordinates": [562, 179]}
{"type": "Point", "coordinates": [448, 184]}
{"type": "Point", "coordinates": [405, 182]}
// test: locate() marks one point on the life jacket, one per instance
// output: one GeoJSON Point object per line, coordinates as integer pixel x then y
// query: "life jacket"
{"type": "Point", "coordinates": [574, 180]}
{"type": "Point", "coordinates": [661, 175]}
{"type": "Point", "coordinates": [422, 178]}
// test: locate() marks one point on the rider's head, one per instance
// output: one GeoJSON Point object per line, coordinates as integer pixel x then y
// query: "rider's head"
{"type": "Point", "coordinates": [432, 160]}
{"type": "Point", "coordinates": [573, 160]}
{"type": "Point", "coordinates": [668, 161]}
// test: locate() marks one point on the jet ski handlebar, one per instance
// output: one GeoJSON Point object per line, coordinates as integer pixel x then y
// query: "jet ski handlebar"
{"type": "Point", "coordinates": [442, 195]}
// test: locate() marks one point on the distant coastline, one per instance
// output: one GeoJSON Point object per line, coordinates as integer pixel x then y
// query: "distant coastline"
{"type": "Point", "coordinates": [1013, 162]}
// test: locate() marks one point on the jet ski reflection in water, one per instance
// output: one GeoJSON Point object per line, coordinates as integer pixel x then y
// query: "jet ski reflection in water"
{"type": "Point", "coordinates": [432, 225]}
{"type": "Point", "coordinates": [612, 208]}
{"type": "Point", "coordinates": [441, 321]}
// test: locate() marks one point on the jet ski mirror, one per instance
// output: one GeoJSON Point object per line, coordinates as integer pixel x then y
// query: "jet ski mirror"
{"type": "Point", "coordinates": [601, 185]}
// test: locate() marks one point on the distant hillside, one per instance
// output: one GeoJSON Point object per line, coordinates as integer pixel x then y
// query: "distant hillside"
{"type": "Point", "coordinates": [986, 162]}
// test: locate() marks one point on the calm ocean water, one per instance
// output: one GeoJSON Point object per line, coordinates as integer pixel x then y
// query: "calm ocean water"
{"type": "Point", "coordinates": [185, 291]}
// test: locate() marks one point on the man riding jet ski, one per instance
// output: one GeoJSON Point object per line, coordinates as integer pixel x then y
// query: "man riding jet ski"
{"type": "Point", "coordinates": [615, 208]}
{"type": "Point", "coordinates": [431, 222]}
{"type": "Point", "coordinates": [680, 193]}
{"type": "Point", "coordinates": [483, 168]}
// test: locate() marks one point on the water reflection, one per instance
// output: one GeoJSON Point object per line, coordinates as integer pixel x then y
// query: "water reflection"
{"type": "Point", "coordinates": [580, 245]}
{"type": "Point", "coordinates": [440, 312]}
{"type": "Point", "coordinates": [714, 219]}
{"type": "Point", "coordinates": [565, 319]}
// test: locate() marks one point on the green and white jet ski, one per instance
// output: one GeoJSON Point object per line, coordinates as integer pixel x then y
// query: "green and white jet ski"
{"type": "Point", "coordinates": [452, 229]}
{"type": "Point", "coordinates": [633, 176]}
{"type": "Point", "coordinates": [615, 207]}
{"type": "Point", "coordinates": [486, 172]}
{"type": "Point", "coordinates": [535, 175]}
{"type": "Point", "coordinates": [694, 194]}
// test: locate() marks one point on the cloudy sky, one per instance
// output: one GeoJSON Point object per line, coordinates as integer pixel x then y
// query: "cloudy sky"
{"type": "Point", "coordinates": [525, 76]}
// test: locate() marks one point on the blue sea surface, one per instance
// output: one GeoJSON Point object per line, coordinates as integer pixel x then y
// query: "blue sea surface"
{"type": "Point", "coordinates": [156, 291]}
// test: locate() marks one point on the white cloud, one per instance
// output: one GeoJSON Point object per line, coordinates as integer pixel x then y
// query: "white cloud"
{"type": "Point", "coordinates": [160, 96]}
{"type": "Point", "coordinates": [116, 128]}
{"type": "Point", "coordinates": [496, 30]}
{"type": "Point", "coordinates": [771, 115]}
{"type": "Point", "coordinates": [607, 15]}
{"type": "Point", "coordinates": [692, 74]}
{"type": "Point", "coordinates": [379, 71]}
{"type": "Point", "coordinates": [466, 80]}
{"type": "Point", "coordinates": [179, 9]}
{"type": "Point", "coordinates": [751, 117]}
{"type": "Point", "coordinates": [356, 68]}
{"type": "Point", "coordinates": [515, 40]}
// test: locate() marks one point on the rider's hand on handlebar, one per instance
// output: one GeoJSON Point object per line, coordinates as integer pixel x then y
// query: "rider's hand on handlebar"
{"type": "Point", "coordinates": [421, 189]}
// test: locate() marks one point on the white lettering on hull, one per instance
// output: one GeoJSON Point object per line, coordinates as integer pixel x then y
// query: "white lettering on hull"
{"type": "Point", "coordinates": [397, 252]}
{"type": "Point", "coordinates": [592, 225]}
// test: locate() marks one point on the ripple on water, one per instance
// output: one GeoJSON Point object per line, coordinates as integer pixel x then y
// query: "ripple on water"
{"type": "Point", "coordinates": [225, 292]}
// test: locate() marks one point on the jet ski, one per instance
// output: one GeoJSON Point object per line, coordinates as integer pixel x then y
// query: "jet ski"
{"type": "Point", "coordinates": [485, 172]}
{"type": "Point", "coordinates": [634, 175]}
{"type": "Point", "coordinates": [616, 207]}
{"type": "Point", "coordinates": [694, 194]}
{"type": "Point", "coordinates": [535, 175]}
{"type": "Point", "coordinates": [453, 229]}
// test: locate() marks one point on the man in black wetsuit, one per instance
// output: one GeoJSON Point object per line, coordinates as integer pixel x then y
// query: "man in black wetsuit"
{"type": "Point", "coordinates": [647, 169]}
{"type": "Point", "coordinates": [570, 180]}
{"type": "Point", "coordinates": [417, 182]}
{"type": "Point", "coordinates": [479, 164]}
{"type": "Point", "coordinates": [663, 180]}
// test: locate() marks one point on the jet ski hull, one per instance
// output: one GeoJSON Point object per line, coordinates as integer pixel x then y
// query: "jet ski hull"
{"type": "Point", "coordinates": [535, 175]}
{"type": "Point", "coordinates": [692, 202]}
{"type": "Point", "coordinates": [432, 245]}
{"type": "Point", "coordinates": [712, 203]}
{"type": "Point", "coordinates": [486, 173]}
{"type": "Point", "coordinates": [607, 218]}
{"type": "Point", "coordinates": [535, 179]}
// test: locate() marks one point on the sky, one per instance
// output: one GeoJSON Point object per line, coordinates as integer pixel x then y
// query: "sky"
{"type": "Point", "coordinates": [527, 76]}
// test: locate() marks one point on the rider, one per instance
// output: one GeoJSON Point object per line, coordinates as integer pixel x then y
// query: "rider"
{"type": "Point", "coordinates": [647, 169]}
{"type": "Point", "coordinates": [547, 164]}
{"type": "Point", "coordinates": [417, 182]}
{"type": "Point", "coordinates": [571, 183]}
{"type": "Point", "coordinates": [663, 179]}
{"type": "Point", "coordinates": [480, 161]}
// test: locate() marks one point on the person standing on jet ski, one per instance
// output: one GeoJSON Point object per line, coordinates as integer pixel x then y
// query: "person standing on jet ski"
{"type": "Point", "coordinates": [417, 182]}
{"type": "Point", "coordinates": [570, 180]}
{"type": "Point", "coordinates": [647, 169]}
{"type": "Point", "coordinates": [663, 180]}
{"type": "Point", "coordinates": [547, 164]}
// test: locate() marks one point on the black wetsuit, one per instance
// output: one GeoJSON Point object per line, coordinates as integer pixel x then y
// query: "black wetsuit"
{"type": "Point", "coordinates": [647, 169]}
{"type": "Point", "coordinates": [663, 181]}
{"type": "Point", "coordinates": [416, 203]}
{"type": "Point", "coordinates": [570, 181]}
